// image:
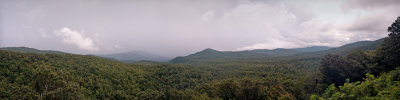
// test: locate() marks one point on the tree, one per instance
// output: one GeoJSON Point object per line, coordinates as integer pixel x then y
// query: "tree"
{"type": "Point", "coordinates": [52, 84]}
{"type": "Point", "coordinates": [337, 69]}
{"type": "Point", "coordinates": [383, 87]}
{"type": "Point", "coordinates": [332, 69]}
{"type": "Point", "coordinates": [227, 89]}
{"type": "Point", "coordinates": [388, 54]}
{"type": "Point", "coordinates": [359, 63]}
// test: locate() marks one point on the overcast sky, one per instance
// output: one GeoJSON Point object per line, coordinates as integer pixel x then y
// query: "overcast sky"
{"type": "Point", "coordinates": [180, 27]}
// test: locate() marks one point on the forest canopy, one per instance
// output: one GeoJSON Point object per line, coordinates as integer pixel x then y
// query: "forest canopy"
{"type": "Point", "coordinates": [354, 71]}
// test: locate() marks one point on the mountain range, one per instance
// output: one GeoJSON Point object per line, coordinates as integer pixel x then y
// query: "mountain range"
{"type": "Point", "coordinates": [135, 56]}
{"type": "Point", "coordinates": [314, 51]}
{"type": "Point", "coordinates": [211, 54]}
{"type": "Point", "coordinates": [31, 50]}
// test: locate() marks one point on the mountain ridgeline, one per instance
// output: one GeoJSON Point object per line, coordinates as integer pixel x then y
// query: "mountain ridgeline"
{"type": "Point", "coordinates": [210, 54]}
{"type": "Point", "coordinates": [135, 56]}
{"type": "Point", "coordinates": [31, 50]}
{"type": "Point", "coordinates": [127, 57]}
{"type": "Point", "coordinates": [312, 48]}
{"type": "Point", "coordinates": [314, 51]}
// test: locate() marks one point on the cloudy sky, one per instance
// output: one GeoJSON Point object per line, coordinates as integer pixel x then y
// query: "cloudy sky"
{"type": "Point", "coordinates": [180, 27]}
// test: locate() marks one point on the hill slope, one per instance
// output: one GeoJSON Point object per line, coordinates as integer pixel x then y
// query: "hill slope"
{"type": "Point", "coordinates": [70, 76]}
{"type": "Point", "coordinates": [276, 52]}
{"type": "Point", "coordinates": [31, 50]}
{"type": "Point", "coordinates": [316, 52]}
{"type": "Point", "coordinates": [134, 56]}
{"type": "Point", "coordinates": [343, 50]}
{"type": "Point", "coordinates": [312, 48]}
{"type": "Point", "coordinates": [210, 54]}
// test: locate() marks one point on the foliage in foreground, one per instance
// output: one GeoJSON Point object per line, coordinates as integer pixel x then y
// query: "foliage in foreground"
{"type": "Point", "coordinates": [386, 86]}
{"type": "Point", "coordinates": [336, 69]}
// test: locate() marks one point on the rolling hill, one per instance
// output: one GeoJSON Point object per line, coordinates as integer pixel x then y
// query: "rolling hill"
{"type": "Point", "coordinates": [313, 52]}
{"type": "Point", "coordinates": [134, 56]}
{"type": "Point", "coordinates": [343, 50]}
{"type": "Point", "coordinates": [31, 50]}
{"type": "Point", "coordinates": [312, 48]}
{"type": "Point", "coordinates": [73, 76]}
{"type": "Point", "coordinates": [208, 54]}
{"type": "Point", "coordinates": [285, 72]}
{"type": "Point", "coordinates": [276, 52]}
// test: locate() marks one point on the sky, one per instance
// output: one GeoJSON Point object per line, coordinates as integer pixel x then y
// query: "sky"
{"type": "Point", "coordinates": [180, 27]}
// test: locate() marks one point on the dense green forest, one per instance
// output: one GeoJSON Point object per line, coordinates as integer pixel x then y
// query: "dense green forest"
{"type": "Point", "coordinates": [68, 76]}
{"type": "Point", "coordinates": [361, 70]}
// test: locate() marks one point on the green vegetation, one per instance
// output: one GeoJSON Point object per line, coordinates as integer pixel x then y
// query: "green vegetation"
{"type": "Point", "coordinates": [383, 61]}
{"type": "Point", "coordinates": [386, 86]}
{"type": "Point", "coordinates": [31, 50]}
{"type": "Point", "coordinates": [346, 72]}
{"type": "Point", "coordinates": [135, 56]}
{"type": "Point", "coordinates": [52, 76]}
{"type": "Point", "coordinates": [210, 55]}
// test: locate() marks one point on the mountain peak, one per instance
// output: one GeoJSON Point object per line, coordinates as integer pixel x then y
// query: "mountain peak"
{"type": "Point", "coordinates": [209, 50]}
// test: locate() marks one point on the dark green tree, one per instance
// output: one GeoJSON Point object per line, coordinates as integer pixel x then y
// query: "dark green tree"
{"type": "Point", "coordinates": [227, 89]}
{"type": "Point", "coordinates": [333, 69]}
{"type": "Point", "coordinates": [388, 55]}
{"type": "Point", "coordinates": [337, 69]}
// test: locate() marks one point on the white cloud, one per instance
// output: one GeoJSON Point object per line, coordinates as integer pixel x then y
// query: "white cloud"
{"type": "Point", "coordinates": [76, 38]}
{"type": "Point", "coordinates": [179, 28]}
{"type": "Point", "coordinates": [285, 31]}
{"type": "Point", "coordinates": [273, 43]}
{"type": "Point", "coordinates": [270, 44]}
{"type": "Point", "coordinates": [280, 27]}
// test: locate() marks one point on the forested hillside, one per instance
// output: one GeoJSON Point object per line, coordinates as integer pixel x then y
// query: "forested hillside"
{"type": "Point", "coordinates": [353, 76]}
{"type": "Point", "coordinates": [69, 76]}
{"type": "Point", "coordinates": [31, 50]}
{"type": "Point", "coordinates": [346, 72]}
{"type": "Point", "coordinates": [52, 76]}
{"type": "Point", "coordinates": [199, 49]}
{"type": "Point", "coordinates": [210, 55]}
{"type": "Point", "coordinates": [135, 56]}
{"type": "Point", "coordinates": [312, 48]}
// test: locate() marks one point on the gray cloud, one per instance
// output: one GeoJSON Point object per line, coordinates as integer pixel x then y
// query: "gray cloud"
{"type": "Point", "coordinates": [370, 4]}
{"type": "Point", "coordinates": [374, 18]}
{"type": "Point", "coordinates": [181, 27]}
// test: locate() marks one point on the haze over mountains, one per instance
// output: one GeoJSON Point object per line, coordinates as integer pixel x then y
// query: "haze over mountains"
{"type": "Point", "coordinates": [31, 50]}
{"type": "Point", "coordinates": [199, 50]}
{"type": "Point", "coordinates": [298, 73]}
{"type": "Point", "coordinates": [176, 28]}
{"type": "Point", "coordinates": [211, 54]}
{"type": "Point", "coordinates": [134, 56]}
